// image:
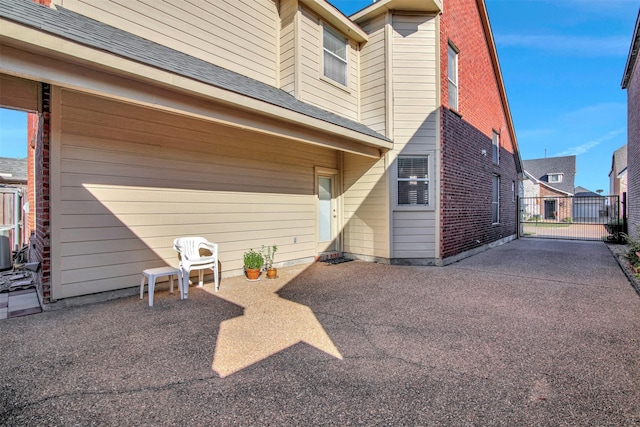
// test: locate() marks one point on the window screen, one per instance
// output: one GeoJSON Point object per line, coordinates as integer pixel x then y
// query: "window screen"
{"type": "Point", "coordinates": [335, 56]}
{"type": "Point", "coordinates": [413, 181]}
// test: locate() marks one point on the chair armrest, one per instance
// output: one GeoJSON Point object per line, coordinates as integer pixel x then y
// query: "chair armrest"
{"type": "Point", "coordinates": [212, 247]}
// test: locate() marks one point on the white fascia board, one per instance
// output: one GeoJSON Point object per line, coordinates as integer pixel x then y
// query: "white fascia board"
{"type": "Point", "coordinates": [382, 6]}
{"type": "Point", "coordinates": [334, 17]}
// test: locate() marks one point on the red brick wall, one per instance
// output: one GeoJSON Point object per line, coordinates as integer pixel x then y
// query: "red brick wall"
{"type": "Point", "coordinates": [466, 188]}
{"type": "Point", "coordinates": [32, 134]}
{"type": "Point", "coordinates": [633, 151]}
{"type": "Point", "coordinates": [40, 247]}
{"type": "Point", "coordinates": [466, 174]}
{"type": "Point", "coordinates": [564, 208]}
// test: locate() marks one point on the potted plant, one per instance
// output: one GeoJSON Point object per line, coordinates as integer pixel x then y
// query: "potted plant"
{"type": "Point", "coordinates": [253, 263]}
{"type": "Point", "coordinates": [269, 252]}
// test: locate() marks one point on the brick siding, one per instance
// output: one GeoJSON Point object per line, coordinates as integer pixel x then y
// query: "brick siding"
{"type": "Point", "coordinates": [39, 244]}
{"type": "Point", "coordinates": [633, 152]}
{"type": "Point", "coordinates": [564, 208]}
{"type": "Point", "coordinates": [466, 188]}
{"type": "Point", "coordinates": [467, 174]}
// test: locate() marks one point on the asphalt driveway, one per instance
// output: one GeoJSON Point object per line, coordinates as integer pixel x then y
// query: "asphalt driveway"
{"type": "Point", "coordinates": [535, 332]}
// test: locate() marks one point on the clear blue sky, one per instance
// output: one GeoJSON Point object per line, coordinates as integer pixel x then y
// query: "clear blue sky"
{"type": "Point", "coordinates": [562, 63]}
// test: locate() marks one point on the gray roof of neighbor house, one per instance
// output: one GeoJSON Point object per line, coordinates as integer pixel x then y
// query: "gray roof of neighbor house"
{"type": "Point", "coordinates": [89, 32]}
{"type": "Point", "coordinates": [583, 192]}
{"type": "Point", "coordinates": [541, 168]}
{"type": "Point", "coordinates": [13, 170]}
{"type": "Point", "coordinates": [619, 160]}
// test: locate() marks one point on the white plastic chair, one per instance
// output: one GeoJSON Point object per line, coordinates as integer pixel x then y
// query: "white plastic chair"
{"type": "Point", "coordinates": [191, 259]}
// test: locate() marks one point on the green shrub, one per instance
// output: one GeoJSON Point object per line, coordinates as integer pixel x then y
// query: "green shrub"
{"type": "Point", "coordinates": [253, 259]}
{"type": "Point", "coordinates": [614, 226]}
{"type": "Point", "coordinates": [634, 249]}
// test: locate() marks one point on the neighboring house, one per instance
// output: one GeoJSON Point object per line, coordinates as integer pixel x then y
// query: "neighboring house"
{"type": "Point", "coordinates": [385, 136]}
{"type": "Point", "coordinates": [13, 172]}
{"type": "Point", "coordinates": [618, 173]}
{"type": "Point", "coordinates": [588, 206]}
{"type": "Point", "coordinates": [550, 180]}
{"type": "Point", "coordinates": [631, 82]}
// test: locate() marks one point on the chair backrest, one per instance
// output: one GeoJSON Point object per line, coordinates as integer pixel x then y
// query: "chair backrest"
{"type": "Point", "coordinates": [189, 247]}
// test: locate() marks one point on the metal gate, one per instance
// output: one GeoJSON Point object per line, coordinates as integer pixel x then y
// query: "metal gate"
{"type": "Point", "coordinates": [575, 218]}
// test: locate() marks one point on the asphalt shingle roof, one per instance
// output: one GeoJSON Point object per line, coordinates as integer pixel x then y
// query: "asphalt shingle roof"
{"type": "Point", "coordinates": [13, 169]}
{"type": "Point", "coordinates": [81, 29]}
{"type": "Point", "coordinates": [540, 168]}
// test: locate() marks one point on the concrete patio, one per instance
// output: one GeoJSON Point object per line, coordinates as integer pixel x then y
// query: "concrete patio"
{"type": "Point", "coordinates": [535, 332]}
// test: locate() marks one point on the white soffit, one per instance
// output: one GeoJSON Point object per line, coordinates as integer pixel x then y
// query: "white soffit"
{"type": "Point", "coordinates": [380, 6]}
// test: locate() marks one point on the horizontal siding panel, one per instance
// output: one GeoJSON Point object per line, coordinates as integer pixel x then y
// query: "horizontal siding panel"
{"type": "Point", "coordinates": [236, 35]}
{"type": "Point", "coordinates": [365, 200]}
{"type": "Point", "coordinates": [373, 78]}
{"type": "Point", "coordinates": [314, 89]}
{"type": "Point", "coordinates": [414, 234]}
{"type": "Point", "coordinates": [131, 182]}
{"type": "Point", "coordinates": [407, 218]}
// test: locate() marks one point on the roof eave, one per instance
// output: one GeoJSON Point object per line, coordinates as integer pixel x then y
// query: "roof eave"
{"type": "Point", "coordinates": [633, 54]}
{"type": "Point", "coordinates": [493, 52]}
{"type": "Point", "coordinates": [382, 6]}
{"type": "Point", "coordinates": [34, 41]}
{"type": "Point", "coordinates": [336, 18]}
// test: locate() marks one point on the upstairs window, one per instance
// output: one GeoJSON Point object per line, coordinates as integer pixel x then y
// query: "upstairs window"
{"type": "Point", "coordinates": [495, 147]}
{"type": "Point", "coordinates": [413, 181]}
{"type": "Point", "coordinates": [334, 48]}
{"type": "Point", "coordinates": [452, 74]}
{"type": "Point", "coordinates": [495, 200]}
{"type": "Point", "coordinates": [555, 177]}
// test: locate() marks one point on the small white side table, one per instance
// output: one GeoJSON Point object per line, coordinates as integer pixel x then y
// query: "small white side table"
{"type": "Point", "coordinates": [153, 273]}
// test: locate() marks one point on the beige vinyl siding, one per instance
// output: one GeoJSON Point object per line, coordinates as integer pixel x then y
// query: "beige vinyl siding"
{"type": "Point", "coordinates": [314, 88]}
{"type": "Point", "coordinates": [414, 127]}
{"type": "Point", "coordinates": [239, 35]}
{"type": "Point", "coordinates": [288, 12]}
{"type": "Point", "coordinates": [373, 109]}
{"type": "Point", "coordinates": [366, 207]}
{"type": "Point", "coordinates": [133, 179]}
{"type": "Point", "coordinates": [19, 93]}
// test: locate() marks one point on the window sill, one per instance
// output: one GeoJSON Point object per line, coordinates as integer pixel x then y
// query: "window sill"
{"type": "Point", "coordinates": [409, 208]}
{"type": "Point", "coordinates": [335, 84]}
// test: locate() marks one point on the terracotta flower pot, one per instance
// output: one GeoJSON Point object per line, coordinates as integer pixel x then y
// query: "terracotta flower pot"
{"type": "Point", "coordinates": [252, 273]}
{"type": "Point", "coordinates": [272, 273]}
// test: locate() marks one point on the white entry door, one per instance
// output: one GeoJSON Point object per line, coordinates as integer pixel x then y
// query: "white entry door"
{"type": "Point", "coordinates": [327, 214]}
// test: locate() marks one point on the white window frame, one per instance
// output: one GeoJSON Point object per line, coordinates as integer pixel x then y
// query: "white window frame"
{"type": "Point", "coordinates": [513, 191]}
{"type": "Point", "coordinates": [558, 175]}
{"type": "Point", "coordinates": [495, 148]}
{"type": "Point", "coordinates": [426, 180]}
{"type": "Point", "coordinates": [327, 51]}
{"type": "Point", "coordinates": [452, 76]}
{"type": "Point", "coordinates": [495, 199]}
